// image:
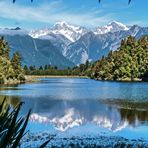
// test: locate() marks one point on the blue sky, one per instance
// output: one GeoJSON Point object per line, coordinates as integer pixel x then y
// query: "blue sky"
{"type": "Point", "coordinates": [45, 13]}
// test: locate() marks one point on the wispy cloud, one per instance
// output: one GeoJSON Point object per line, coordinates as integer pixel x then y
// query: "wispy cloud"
{"type": "Point", "coordinates": [52, 12]}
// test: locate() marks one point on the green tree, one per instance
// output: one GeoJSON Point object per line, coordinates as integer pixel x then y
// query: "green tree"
{"type": "Point", "coordinates": [4, 48]}
{"type": "Point", "coordinates": [40, 68]}
{"type": "Point", "coordinates": [10, 69]}
{"type": "Point", "coordinates": [45, 67]}
{"type": "Point", "coordinates": [26, 69]}
{"type": "Point", "coordinates": [16, 64]}
{"type": "Point", "coordinates": [32, 68]}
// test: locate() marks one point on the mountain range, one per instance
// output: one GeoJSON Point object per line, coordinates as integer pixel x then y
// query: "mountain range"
{"type": "Point", "coordinates": [65, 45]}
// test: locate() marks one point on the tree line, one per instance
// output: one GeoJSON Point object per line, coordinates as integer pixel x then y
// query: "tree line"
{"type": "Point", "coordinates": [80, 70]}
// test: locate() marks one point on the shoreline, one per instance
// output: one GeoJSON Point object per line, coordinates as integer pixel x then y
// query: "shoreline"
{"type": "Point", "coordinates": [32, 78]}
{"type": "Point", "coordinates": [53, 76]}
{"type": "Point", "coordinates": [123, 80]}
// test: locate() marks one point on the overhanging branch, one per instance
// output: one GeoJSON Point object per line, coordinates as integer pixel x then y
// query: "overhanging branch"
{"type": "Point", "coordinates": [129, 1]}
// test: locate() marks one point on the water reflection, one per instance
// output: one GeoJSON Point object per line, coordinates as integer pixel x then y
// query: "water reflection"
{"type": "Point", "coordinates": [67, 114]}
{"type": "Point", "coordinates": [69, 103]}
{"type": "Point", "coordinates": [133, 116]}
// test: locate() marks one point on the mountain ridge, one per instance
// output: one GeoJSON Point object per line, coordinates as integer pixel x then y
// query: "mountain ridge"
{"type": "Point", "coordinates": [73, 44]}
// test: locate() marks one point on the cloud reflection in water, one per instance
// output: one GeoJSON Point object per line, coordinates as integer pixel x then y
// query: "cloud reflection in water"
{"type": "Point", "coordinates": [68, 114]}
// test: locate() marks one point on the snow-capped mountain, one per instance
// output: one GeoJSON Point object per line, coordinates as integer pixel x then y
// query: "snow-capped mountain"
{"type": "Point", "coordinates": [73, 44]}
{"type": "Point", "coordinates": [93, 46]}
{"type": "Point", "coordinates": [72, 33]}
{"type": "Point", "coordinates": [61, 35]}
{"type": "Point", "coordinates": [111, 27]}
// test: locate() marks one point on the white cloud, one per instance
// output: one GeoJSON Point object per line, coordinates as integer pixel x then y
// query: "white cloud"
{"type": "Point", "coordinates": [51, 13]}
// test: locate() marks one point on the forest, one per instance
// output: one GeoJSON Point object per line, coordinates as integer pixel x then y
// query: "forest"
{"type": "Point", "coordinates": [128, 63]}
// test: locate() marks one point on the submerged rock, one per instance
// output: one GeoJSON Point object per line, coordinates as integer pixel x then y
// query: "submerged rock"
{"type": "Point", "coordinates": [35, 140]}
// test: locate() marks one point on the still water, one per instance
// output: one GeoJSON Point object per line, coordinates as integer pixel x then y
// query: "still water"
{"type": "Point", "coordinates": [83, 106]}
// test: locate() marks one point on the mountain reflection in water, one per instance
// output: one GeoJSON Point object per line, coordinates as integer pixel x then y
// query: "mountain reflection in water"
{"type": "Point", "coordinates": [70, 104]}
{"type": "Point", "coordinates": [67, 114]}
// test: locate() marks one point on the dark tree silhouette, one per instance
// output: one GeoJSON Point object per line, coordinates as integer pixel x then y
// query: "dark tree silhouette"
{"type": "Point", "coordinates": [129, 1]}
{"type": "Point", "coordinates": [15, 1]}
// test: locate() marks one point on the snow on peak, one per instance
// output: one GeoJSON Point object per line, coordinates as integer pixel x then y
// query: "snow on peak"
{"type": "Point", "coordinates": [118, 25]}
{"type": "Point", "coordinates": [39, 33]}
{"type": "Point", "coordinates": [71, 32]}
{"type": "Point", "coordinates": [111, 27]}
{"type": "Point", "coordinates": [62, 23]}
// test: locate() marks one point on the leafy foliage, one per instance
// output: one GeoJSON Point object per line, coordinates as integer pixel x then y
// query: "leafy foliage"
{"type": "Point", "coordinates": [10, 69]}
{"type": "Point", "coordinates": [12, 128]}
{"type": "Point", "coordinates": [129, 62]}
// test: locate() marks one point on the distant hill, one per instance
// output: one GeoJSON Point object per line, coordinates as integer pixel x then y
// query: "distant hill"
{"type": "Point", "coordinates": [36, 51]}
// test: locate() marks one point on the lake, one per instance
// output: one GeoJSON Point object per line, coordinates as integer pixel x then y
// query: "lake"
{"type": "Point", "coordinates": [79, 106]}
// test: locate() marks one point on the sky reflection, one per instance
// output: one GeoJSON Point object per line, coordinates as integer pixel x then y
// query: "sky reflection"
{"type": "Point", "coordinates": [63, 105]}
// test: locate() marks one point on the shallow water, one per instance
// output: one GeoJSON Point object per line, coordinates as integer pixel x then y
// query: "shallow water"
{"type": "Point", "coordinates": [74, 106]}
